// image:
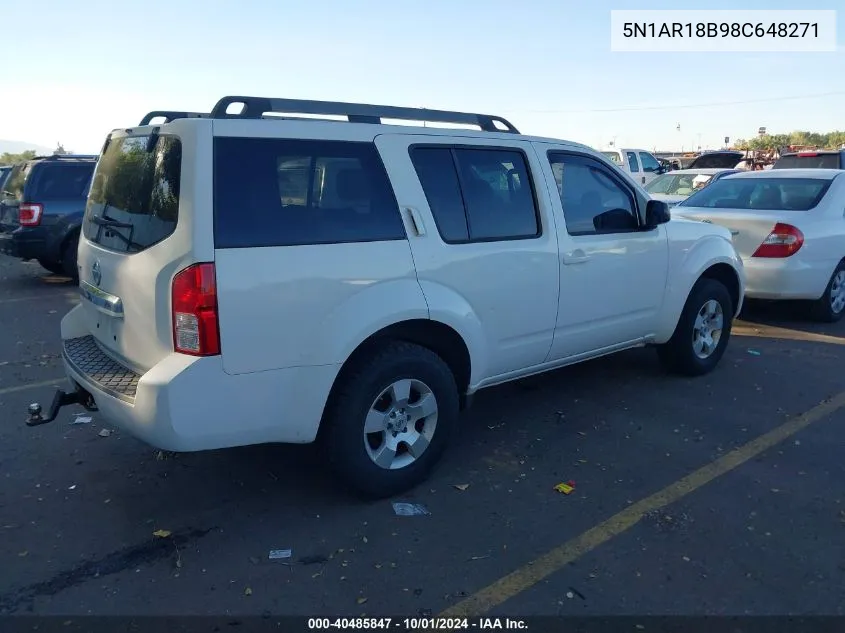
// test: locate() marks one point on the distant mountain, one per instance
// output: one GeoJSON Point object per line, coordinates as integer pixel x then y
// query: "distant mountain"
{"type": "Point", "coordinates": [16, 147]}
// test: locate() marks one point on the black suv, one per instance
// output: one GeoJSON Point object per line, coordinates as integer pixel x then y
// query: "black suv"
{"type": "Point", "coordinates": [815, 159]}
{"type": "Point", "coordinates": [41, 209]}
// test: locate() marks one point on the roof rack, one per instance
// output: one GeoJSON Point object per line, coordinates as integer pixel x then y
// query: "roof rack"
{"type": "Point", "coordinates": [257, 107]}
{"type": "Point", "coordinates": [171, 115]}
{"type": "Point", "coordinates": [65, 157]}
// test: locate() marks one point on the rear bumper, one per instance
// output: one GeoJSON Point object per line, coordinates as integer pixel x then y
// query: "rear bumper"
{"type": "Point", "coordinates": [786, 278]}
{"type": "Point", "coordinates": [185, 403]}
{"type": "Point", "coordinates": [24, 243]}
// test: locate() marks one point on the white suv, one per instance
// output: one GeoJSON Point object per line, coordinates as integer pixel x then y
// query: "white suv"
{"type": "Point", "coordinates": [248, 278]}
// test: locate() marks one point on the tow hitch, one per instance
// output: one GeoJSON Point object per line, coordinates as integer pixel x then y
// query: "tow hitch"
{"type": "Point", "coordinates": [61, 399]}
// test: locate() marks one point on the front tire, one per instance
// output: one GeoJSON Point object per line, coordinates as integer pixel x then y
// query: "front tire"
{"type": "Point", "coordinates": [390, 418]}
{"type": "Point", "coordinates": [831, 306]}
{"type": "Point", "coordinates": [702, 332]}
{"type": "Point", "coordinates": [69, 266]}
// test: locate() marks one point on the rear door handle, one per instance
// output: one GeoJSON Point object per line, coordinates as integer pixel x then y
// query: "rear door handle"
{"type": "Point", "coordinates": [416, 221]}
{"type": "Point", "coordinates": [575, 257]}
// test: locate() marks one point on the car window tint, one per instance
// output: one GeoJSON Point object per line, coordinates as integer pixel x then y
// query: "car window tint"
{"type": "Point", "coordinates": [278, 192]}
{"type": "Point", "coordinates": [61, 181]}
{"type": "Point", "coordinates": [633, 164]}
{"type": "Point", "coordinates": [593, 200]}
{"type": "Point", "coordinates": [138, 189]}
{"type": "Point", "coordinates": [439, 179]}
{"type": "Point", "coordinates": [497, 193]}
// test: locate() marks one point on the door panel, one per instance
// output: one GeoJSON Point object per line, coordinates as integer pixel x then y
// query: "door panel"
{"type": "Point", "coordinates": [612, 274]}
{"type": "Point", "coordinates": [466, 259]}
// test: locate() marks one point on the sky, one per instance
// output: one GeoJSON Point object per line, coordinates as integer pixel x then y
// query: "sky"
{"type": "Point", "coordinates": [86, 67]}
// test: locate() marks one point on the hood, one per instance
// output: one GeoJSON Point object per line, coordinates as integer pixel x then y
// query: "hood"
{"type": "Point", "coordinates": [669, 199]}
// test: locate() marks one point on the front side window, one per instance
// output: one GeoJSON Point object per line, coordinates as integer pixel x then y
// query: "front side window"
{"type": "Point", "coordinates": [279, 192]}
{"type": "Point", "coordinates": [650, 163]}
{"type": "Point", "coordinates": [593, 200]}
{"type": "Point", "coordinates": [134, 198]}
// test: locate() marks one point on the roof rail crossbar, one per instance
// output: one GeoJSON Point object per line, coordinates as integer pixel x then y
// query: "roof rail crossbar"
{"type": "Point", "coordinates": [171, 115]}
{"type": "Point", "coordinates": [256, 107]}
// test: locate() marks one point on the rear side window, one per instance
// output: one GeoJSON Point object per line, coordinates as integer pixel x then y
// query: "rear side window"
{"type": "Point", "coordinates": [276, 192]}
{"type": "Point", "coordinates": [810, 161]}
{"type": "Point", "coordinates": [134, 198]}
{"type": "Point", "coordinates": [633, 163]}
{"type": "Point", "coordinates": [15, 182]}
{"type": "Point", "coordinates": [477, 195]}
{"type": "Point", "coordinates": [59, 181]}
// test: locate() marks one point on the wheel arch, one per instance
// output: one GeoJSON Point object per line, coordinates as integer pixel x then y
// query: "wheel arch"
{"type": "Point", "coordinates": [436, 336]}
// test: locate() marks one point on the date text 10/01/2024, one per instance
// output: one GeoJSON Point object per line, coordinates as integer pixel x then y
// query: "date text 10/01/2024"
{"type": "Point", "coordinates": [417, 624]}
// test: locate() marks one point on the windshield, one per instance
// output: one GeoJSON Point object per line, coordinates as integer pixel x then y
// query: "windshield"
{"type": "Point", "coordinates": [134, 199]}
{"type": "Point", "coordinates": [613, 157]}
{"type": "Point", "coordinates": [770, 194]}
{"type": "Point", "coordinates": [809, 161]}
{"type": "Point", "coordinates": [678, 184]}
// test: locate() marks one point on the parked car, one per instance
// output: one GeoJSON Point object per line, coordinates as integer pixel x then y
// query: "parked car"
{"type": "Point", "coordinates": [640, 164]}
{"type": "Point", "coordinates": [788, 227]}
{"type": "Point", "coordinates": [719, 159]}
{"type": "Point", "coordinates": [250, 279]}
{"type": "Point", "coordinates": [819, 159]}
{"type": "Point", "coordinates": [41, 210]}
{"type": "Point", "coordinates": [678, 185]}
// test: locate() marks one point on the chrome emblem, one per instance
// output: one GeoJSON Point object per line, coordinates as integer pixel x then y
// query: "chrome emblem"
{"type": "Point", "coordinates": [96, 273]}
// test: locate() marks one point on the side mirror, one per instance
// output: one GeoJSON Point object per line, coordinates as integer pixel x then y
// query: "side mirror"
{"type": "Point", "coordinates": [656, 213]}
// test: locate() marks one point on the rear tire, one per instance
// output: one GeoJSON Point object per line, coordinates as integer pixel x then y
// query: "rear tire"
{"type": "Point", "coordinates": [702, 332]}
{"type": "Point", "coordinates": [69, 267]}
{"type": "Point", "coordinates": [830, 307]}
{"type": "Point", "coordinates": [406, 397]}
{"type": "Point", "coordinates": [54, 267]}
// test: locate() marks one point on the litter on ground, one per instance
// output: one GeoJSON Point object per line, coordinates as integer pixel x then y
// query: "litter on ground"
{"type": "Point", "coordinates": [566, 488]}
{"type": "Point", "coordinates": [410, 509]}
{"type": "Point", "coordinates": [276, 554]}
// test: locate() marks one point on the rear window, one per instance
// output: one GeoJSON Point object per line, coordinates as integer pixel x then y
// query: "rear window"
{"type": "Point", "coordinates": [59, 181]}
{"type": "Point", "coordinates": [817, 161]}
{"type": "Point", "coordinates": [613, 157]}
{"type": "Point", "coordinates": [278, 192]}
{"type": "Point", "coordinates": [716, 161]}
{"type": "Point", "coordinates": [765, 194]}
{"type": "Point", "coordinates": [134, 198]}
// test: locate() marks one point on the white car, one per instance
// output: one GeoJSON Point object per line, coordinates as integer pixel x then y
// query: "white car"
{"type": "Point", "coordinates": [250, 279]}
{"type": "Point", "coordinates": [640, 164]}
{"type": "Point", "coordinates": [678, 185]}
{"type": "Point", "coordinates": [788, 225]}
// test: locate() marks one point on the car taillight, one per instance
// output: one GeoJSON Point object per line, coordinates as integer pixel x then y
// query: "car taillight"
{"type": "Point", "coordinates": [194, 310]}
{"type": "Point", "coordinates": [783, 241]}
{"type": "Point", "coordinates": [808, 153]}
{"type": "Point", "coordinates": [29, 214]}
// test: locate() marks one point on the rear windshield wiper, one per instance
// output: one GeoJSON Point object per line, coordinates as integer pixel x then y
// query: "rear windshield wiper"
{"type": "Point", "coordinates": [103, 221]}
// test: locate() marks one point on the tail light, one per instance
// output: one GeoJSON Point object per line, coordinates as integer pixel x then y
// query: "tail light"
{"type": "Point", "coordinates": [783, 241]}
{"type": "Point", "coordinates": [803, 154]}
{"type": "Point", "coordinates": [194, 309]}
{"type": "Point", "coordinates": [29, 214]}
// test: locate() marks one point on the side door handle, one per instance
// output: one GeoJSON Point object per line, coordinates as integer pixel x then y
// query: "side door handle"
{"type": "Point", "coordinates": [575, 257]}
{"type": "Point", "coordinates": [416, 221]}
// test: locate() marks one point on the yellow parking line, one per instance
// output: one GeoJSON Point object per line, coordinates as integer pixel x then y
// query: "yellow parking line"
{"type": "Point", "coordinates": [526, 577]}
{"type": "Point", "coordinates": [32, 385]}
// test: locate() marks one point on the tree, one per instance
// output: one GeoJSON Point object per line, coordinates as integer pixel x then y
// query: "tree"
{"type": "Point", "coordinates": [830, 140]}
{"type": "Point", "coordinates": [11, 159]}
{"type": "Point", "coordinates": [60, 150]}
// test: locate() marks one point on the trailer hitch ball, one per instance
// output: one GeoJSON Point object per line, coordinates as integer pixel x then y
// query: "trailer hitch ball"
{"type": "Point", "coordinates": [34, 412]}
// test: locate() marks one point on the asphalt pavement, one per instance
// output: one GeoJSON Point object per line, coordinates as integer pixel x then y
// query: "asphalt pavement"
{"type": "Point", "coordinates": [716, 495]}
